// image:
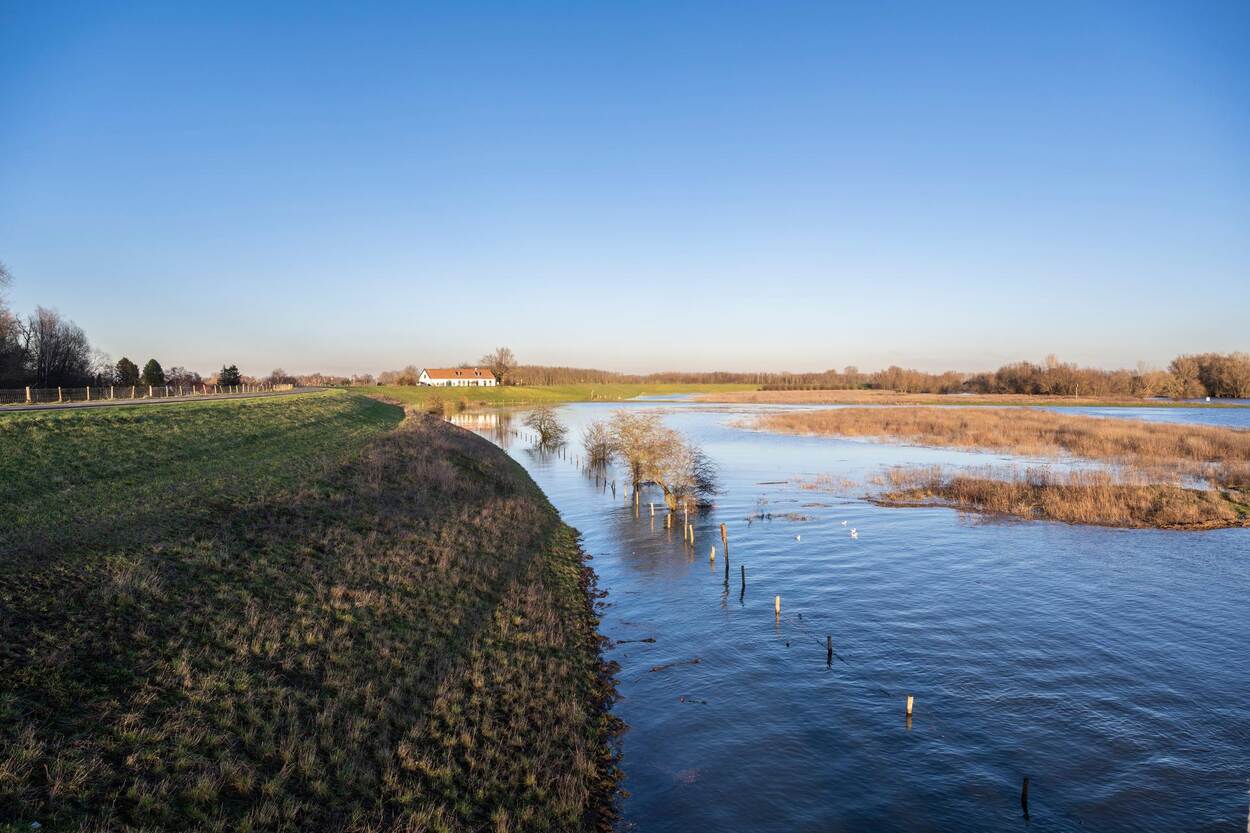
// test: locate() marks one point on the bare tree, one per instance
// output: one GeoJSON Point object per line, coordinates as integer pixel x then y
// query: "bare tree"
{"type": "Point", "coordinates": [500, 362]}
{"type": "Point", "coordinates": [660, 456]}
{"type": "Point", "coordinates": [58, 351]}
{"type": "Point", "coordinates": [597, 440]}
{"type": "Point", "coordinates": [12, 341]}
{"type": "Point", "coordinates": [550, 430]}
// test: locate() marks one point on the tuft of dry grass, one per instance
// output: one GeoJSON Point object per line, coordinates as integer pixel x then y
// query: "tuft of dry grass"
{"type": "Point", "coordinates": [399, 637]}
{"type": "Point", "coordinates": [1100, 498]}
{"type": "Point", "coordinates": [1166, 450]}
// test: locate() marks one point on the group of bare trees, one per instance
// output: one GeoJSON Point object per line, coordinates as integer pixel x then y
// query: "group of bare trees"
{"type": "Point", "coordinates": [44, 349]}
{"type": "Point", "coordinates": [653, 455]}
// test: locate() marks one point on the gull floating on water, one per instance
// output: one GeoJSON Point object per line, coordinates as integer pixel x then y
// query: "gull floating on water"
{"type": "Point", "coordinates": [854, 533]}
{"type": "Point", "coordinates": [844, 523]}
{"type": "Point", "coordinates": [798, 537]}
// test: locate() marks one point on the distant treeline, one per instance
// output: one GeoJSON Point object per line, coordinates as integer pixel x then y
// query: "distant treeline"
{"type": "Point", "coordinates": [1187, 377]}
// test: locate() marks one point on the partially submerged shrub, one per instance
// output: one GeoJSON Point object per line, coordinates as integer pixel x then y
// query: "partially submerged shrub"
{"type": "Point", "coordinates": [657, 455]}
{"type": "Point", "coordinates": [547, 425]}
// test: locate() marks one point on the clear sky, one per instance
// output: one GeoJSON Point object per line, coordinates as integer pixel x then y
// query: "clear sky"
{"type": "Point", "coordinates": [637, 185]}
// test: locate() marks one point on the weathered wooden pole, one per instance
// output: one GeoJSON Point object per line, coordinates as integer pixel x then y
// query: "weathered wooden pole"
{"type": "Point", "coordinates": [910, 702]}
{"type": "Point", "coordinates": [744, 578]}
{"type": "Point", "coordinates": [110, 391]}
{"type": "Point", "coordinates": [88, 393]}
{"type": "Point", "coordinates": [58, 394]}
{"type": "Point", "coordinates": [1024, 797]}
{"type": "Point", "coordinates": [724, 537]}
{"type": "Point", "coordinates": [28, 394]}
{"type": "Point", "coordinates": [777, 606]}
{"type": "Point", "coordinates": [712, 555]}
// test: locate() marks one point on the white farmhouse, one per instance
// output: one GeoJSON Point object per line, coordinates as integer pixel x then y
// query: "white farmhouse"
{"type": "Point", "coordinates": [458, 377]}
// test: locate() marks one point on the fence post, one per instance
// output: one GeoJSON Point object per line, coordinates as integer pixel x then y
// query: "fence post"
{"type": "Point", "coordinates": [58, 394]}
{"type": "Point", "coordinates": [88, 393]}
{"type": "Point", "coordinates": [149, 391]}
{"type": "Point", "coordinates": [110, 391]}
{"type": "Point", "coordinates": [132, 391]}
{"type": "Point", "coordinates": [28, 394]}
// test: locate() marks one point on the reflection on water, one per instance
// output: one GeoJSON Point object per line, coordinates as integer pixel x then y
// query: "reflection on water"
{"type": "Point", "coordinates": [1109, 667]}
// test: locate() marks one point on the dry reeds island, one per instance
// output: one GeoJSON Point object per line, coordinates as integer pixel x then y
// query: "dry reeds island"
{"type": "Point", "coordinates": [1103, 498]}
{"type": "Point", "coordinates": [301, 614]}
{"type": "Point", "coordinates": [1160, 474]}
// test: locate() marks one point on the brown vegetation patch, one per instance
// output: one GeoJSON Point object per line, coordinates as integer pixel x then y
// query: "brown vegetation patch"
{"type": "Point", "coordinates": [1084, 497]}
{"type": "Point", "coordinates": [1165, 450]}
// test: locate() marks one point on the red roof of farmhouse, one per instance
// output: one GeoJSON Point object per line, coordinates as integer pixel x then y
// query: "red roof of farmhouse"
{"type": "Point", "coordinates": [459, 373]}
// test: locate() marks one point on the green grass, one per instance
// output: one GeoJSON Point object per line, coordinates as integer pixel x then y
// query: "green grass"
{"type": "Point", "coordinates": [291, 614]}
{"type": "Point", "coordinates": [525, 395]}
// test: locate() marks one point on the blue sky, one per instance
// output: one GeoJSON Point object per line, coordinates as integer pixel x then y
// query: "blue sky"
{"type": "Point", "coordinates": [638, 186]}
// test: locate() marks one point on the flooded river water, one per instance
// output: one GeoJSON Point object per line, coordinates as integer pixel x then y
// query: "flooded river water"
{"type": "Point", "coordinates": [1110, 667]}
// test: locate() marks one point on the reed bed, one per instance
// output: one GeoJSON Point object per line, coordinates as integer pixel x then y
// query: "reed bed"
{"type": "Point", "coordinates": [1165, 451]}
{"type": "Point", "coordinates": [1103, 498]}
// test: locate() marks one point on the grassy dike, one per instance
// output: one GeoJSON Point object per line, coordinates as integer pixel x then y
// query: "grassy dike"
{"type": "Point", "coordinates": [310, 613]}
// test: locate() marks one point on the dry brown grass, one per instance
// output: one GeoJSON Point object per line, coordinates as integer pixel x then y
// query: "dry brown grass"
{"type": "Point", "coordinates": [1082, 497]}
{"type": "Point", "coordinates": [1165, 450]}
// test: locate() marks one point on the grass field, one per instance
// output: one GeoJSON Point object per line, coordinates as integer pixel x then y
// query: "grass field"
{"type": "Point", "coordinates": [295, 614]}
{"type": "Point", "coordinates": [890, 397]}
{"type": "Point", "coordinates": [522, 395]}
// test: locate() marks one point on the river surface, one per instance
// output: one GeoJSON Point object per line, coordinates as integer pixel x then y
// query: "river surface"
{"type": "Point", "coordinates": [1110, 667]}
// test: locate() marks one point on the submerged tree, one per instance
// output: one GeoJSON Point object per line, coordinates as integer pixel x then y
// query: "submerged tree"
{"type": "Point", "coordinates": [597, 440]}
{"type": "Point", "coordinates": [657, 455]}
{"type": "Point", "coordinates": [550, 430]}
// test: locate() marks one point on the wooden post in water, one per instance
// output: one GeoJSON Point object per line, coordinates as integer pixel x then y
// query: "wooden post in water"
{"type": "Point", "coordinates": [829, 649]}
{"type": "Point", "coordinates": [712, 555]}
{"type": "Point", "coordinates": [744, 578]}
{"type": "Point", "coordinates": [777, 606]}
{"type": "Point", "coordinates": [1024, 797]}
{"type": "Point", "coordinates": [724, 537]}
{"type": "Point", "coordinates": [910, 701]}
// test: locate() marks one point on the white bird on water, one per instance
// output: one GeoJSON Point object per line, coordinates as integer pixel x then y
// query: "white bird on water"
{"type": "Point", "coordinates": [854, 533]}
{"type": "Point", "coordinates": [844, 523]}
{"type": "Point", "coordinates": [798, 537]}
